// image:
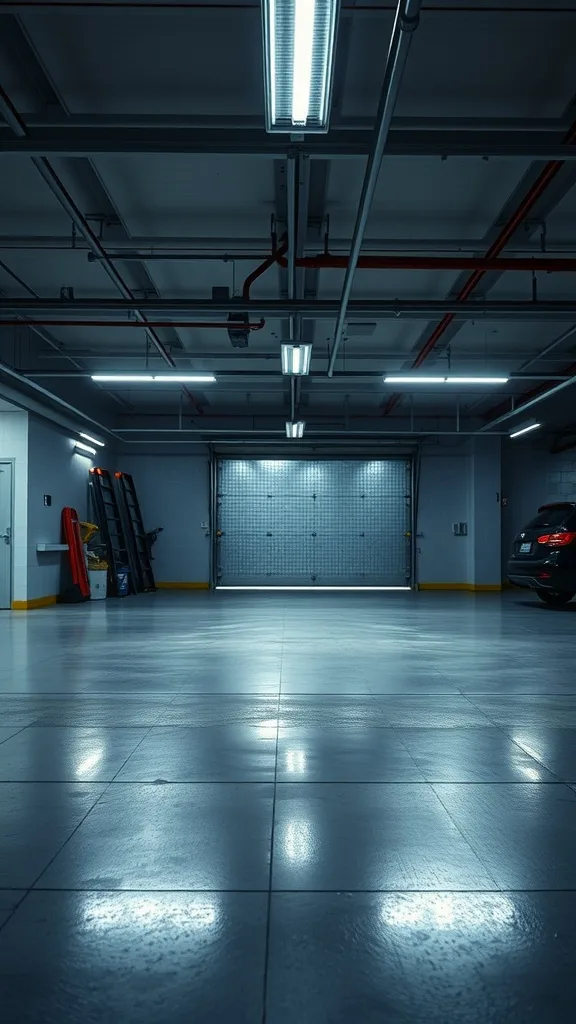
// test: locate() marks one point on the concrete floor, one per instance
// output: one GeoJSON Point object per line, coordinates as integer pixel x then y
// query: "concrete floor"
{"type": "Point", "coordinates": [298, 809]}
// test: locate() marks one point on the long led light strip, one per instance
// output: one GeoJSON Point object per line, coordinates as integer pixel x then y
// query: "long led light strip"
{"type": "Point", "coordinates": [84, 449]}
{"type": "Point", "coordinates": [445, 380]}
{"type": "Point", "coordinates": [93, 440]}
{"type": "Point", "coordinates": [525, 430]}
{"type": "Point", "coordinates": [156, 378]}
{"type": "Point", "coordinates": [311, 588]}
{"type": "Point", "coordinates": [299, 45]}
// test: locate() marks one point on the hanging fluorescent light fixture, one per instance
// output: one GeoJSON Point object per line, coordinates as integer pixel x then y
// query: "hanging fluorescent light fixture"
{"type": "Point", "coordinates": [299, 46]}
{"type": "Point", "coordinates": [445, 380]}
{"type": "Point", "coordinates": [160, 378]}
{"type": "Point", "coordinates": [296, 360]}
{"type": "Point", "coordinates": [518, 431]}
{"type": "Point", "coordinates": [84, 449]}
{"type": "Point", "coordinates": [92, 440]}
{"type": "Point", "coordinates": [295, 429]}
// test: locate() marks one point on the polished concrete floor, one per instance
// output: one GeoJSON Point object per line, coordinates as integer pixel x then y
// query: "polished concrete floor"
{"type": "Point", "coordinates": [288, 808]}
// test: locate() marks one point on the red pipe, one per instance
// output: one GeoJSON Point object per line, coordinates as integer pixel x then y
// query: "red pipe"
{"type": "Point", "coordinates": [544, 179]}
{"type": "Point", "coordinates": [326, 261]}
{"type": "Point", "coordinates": [270, 260]}
{"type": "Point", "coordinates": [132, 323]}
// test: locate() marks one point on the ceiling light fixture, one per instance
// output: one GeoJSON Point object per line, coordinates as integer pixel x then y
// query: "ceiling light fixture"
{"type": "Point", "coordinates": [92, 440]}
{"type": "Point", "coordinates": [84, 449]}
{"type": "Point", "coordinates": [525, 429]}
{"type": "Point", "coordinates": [476, 380]}
{"type": "Point", "coordinates": [295, 429]}
{"type": "Point", "coordinates": [296, 360]}
{"type": "Point", "coordinates": [445, 380]}
{"type": "Point", "coordinates": [414, 380]}
{"type": "Point", "coordinates": [299, 46]}
{"type": "Point", "coordinates": [160, 378]}
{"type": "Point", "coordinates": [105, 378]}
{"type": "Point", "coordinates": [183, 378]}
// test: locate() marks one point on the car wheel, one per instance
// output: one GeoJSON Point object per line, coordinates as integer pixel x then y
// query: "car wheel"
{"type": "Point", "coordinates": [555, 597]}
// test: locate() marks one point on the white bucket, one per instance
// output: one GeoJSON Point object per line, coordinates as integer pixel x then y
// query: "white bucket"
{"type": "Point", "coordinates": [98, 584]}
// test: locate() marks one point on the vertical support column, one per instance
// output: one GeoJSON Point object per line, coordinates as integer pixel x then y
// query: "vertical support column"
{"type": "Point", "coordinates": [484, 513]}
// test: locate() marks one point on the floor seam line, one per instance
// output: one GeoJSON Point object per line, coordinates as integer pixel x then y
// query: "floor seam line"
{"type": "Point", "coordinates": [272, 830]}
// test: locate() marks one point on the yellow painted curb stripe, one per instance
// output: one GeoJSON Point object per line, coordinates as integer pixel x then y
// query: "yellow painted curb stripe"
{"type": "Point", "coordinates": [34, 602]}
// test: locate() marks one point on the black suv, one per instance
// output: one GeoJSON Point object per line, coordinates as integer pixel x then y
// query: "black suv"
{"type": "Point", "coordinates": [544, 556]}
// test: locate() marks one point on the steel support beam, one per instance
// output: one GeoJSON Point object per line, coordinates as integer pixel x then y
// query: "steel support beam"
{"type": "Point", "coordinates": [241, 123]}
{"type": "Point", "coordinates": [321, 309]}
{"type": "Point", "coordinates": [335, 144]}
{"type": "Point", "coordinates": [199, 248]}
{"type": "Point", "coordinates": [526, 406]}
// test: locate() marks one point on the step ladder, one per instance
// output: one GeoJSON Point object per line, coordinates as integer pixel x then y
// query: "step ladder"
{"type": "Point", "coordinates": [109, 520]}
{"type": "Point", "coordinates": [135, 532]}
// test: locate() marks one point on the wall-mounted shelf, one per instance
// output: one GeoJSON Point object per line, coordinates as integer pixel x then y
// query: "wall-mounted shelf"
{"type": "Point", "coordinates": [51, 547]}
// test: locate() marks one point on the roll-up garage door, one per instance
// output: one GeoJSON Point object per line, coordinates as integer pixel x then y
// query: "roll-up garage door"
{"type": "Point", "coordinates": [302, 522]}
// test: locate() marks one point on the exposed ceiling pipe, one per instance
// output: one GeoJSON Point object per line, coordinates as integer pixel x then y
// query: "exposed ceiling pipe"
{"type": "Point", "coordinates": [43, 166]}
{"type": "Point", "coordinates": [82, 416]}
{"type": "Point", "coordinates": [208, 325]}
{"type": "Point", "coordinates": [543, 181]}
{"type": "Point", "coordinates": [535, 394]}
{"type": "Point", "coordinates": [68, 204]}
{"type": "Point", "coordinates": [321, 309]}
{"type": "Point", "coordinates": [268, 262]}
{"type": "Point", "coordinates": [229, 249]}
{"type": "Point", "coordinates": [539, 394]}
{"type": "Point", "coordinates": [405, 23]}
{"type": "Point", "coordinates": [192, 5]}
{"type": "Point", "coordinates": [565, 336]}
{"type": "Point", "coordinates": [326, 261]}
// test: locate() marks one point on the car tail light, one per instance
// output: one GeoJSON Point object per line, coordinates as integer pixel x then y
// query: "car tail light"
{"type": "Point", "coordinates": [557, 540]}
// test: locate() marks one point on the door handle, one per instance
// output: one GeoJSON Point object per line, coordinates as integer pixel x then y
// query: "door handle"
{"type": "Point", "coordinates": [6, 536]}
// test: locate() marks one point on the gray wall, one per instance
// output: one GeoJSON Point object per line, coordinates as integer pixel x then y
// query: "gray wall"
{"type": "Point", "coordinates": [443, 500]}
{"type": "Point", "coordinates": [53, 468]}
{"type": "Point", "coordinates": [174, 492]}
{"type": "Point", "coordinates": [485, 511]}
{"type": "Point", "coordinates": [462, 486]}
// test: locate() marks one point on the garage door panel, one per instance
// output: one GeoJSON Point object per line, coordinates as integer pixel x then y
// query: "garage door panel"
{"type": "Point", "coordinates": [313, 522]}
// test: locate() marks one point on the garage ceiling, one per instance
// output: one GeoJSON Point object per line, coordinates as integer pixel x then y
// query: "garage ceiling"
{"type": "Point", "coordinates": [146, 122]}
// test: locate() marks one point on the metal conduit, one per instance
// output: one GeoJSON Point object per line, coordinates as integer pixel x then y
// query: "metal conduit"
{"type": "Point", "coordinates": [405, 23]}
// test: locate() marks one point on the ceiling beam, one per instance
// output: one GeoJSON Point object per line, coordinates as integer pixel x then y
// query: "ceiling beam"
{"type": "Point", "coordinates": [521, 145]}
{"type": "Point", "coordinates": [51, 118]}
{"type": "Point", "coordinates": [258, 248]}
{"type": "Point", "coordinates": [322, 309]}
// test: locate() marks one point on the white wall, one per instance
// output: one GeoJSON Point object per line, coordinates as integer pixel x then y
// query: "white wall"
{"type": "Point", "coordinates": [53, 468]}
{"type": "Point", "coordinates": [174, 492]}
{"type": "Point", "coordinates": [14, 446]}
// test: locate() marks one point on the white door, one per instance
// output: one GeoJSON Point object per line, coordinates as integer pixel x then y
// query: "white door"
{"type": "Point", "coordinates": [5, 534]}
